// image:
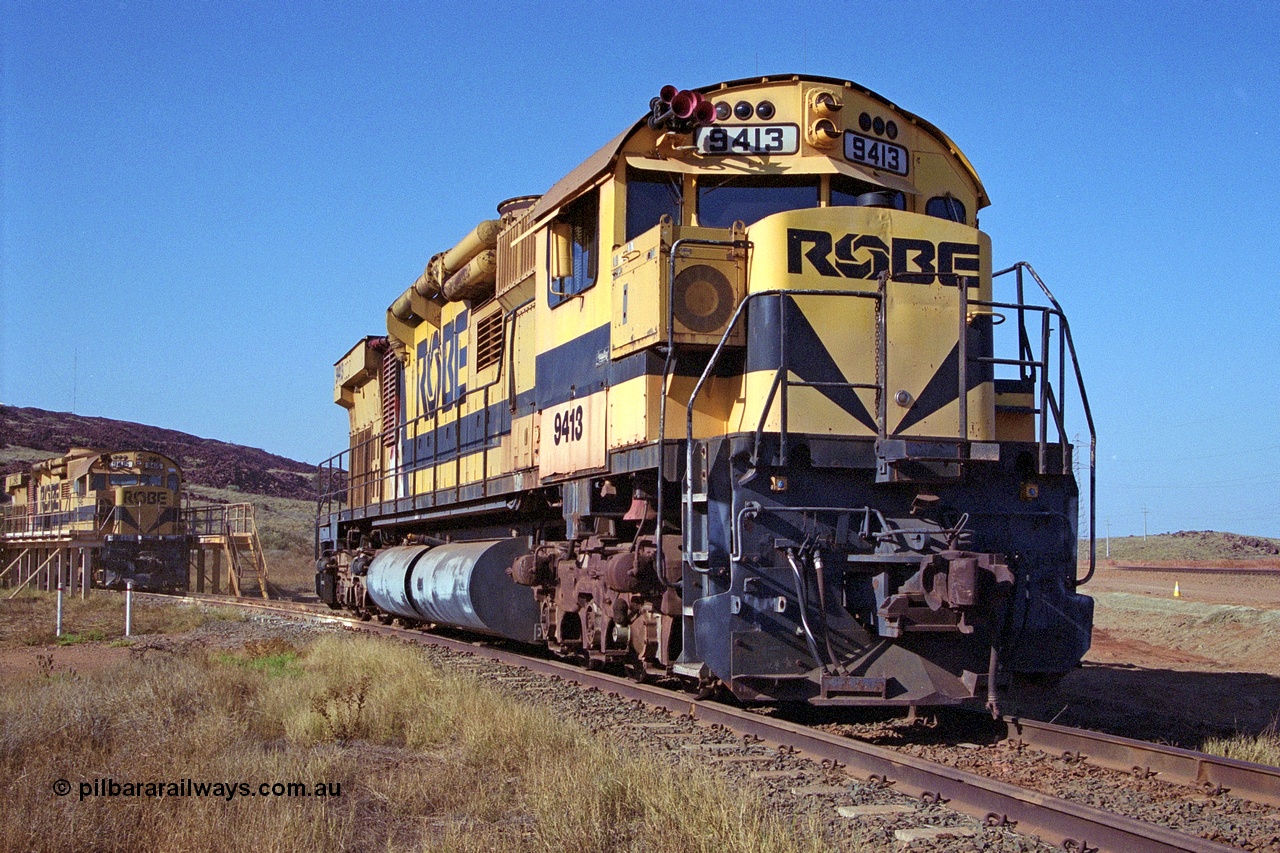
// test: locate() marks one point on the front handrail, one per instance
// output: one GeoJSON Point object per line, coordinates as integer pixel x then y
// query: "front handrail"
{"type": "Point", "coordinates": [737, 243]}
{"type": "Point", "coordinates": [1065, 336]}
{"type": "Point", "coordinates": [1028, 363]}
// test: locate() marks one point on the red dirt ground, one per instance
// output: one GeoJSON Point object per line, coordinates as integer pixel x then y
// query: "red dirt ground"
{"type": "Point", "coordinates": [1173, 669]}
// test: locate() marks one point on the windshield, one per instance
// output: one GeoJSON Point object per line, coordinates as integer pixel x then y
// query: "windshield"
{"type": "Point", "coordinates": [723, 201]}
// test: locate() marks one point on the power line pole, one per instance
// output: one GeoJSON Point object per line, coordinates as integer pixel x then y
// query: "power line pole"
{"type": "Point", "coordinates": [1144, 525]}
{"type": "Point", "coordinates": [1108, 523]}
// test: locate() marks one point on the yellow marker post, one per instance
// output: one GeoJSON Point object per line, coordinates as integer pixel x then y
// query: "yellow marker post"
{"type": "Point", "coordinates": [1176, 592]}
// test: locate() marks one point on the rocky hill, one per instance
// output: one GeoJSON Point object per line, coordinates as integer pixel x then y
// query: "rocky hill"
{"type": "Point", "coordinates": [30, 434]}
{"type": "Point", "coordinates": [1228, 544]}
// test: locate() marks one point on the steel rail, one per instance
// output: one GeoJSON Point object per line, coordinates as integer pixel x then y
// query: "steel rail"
{"type": "Point", "coordinates": [1212, 773]}
{"type": "Point", "coordinates": [1074, 826]}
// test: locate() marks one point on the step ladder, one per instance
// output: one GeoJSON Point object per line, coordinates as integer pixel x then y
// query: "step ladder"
{"type": "Point", "coordinates": [248, 573]}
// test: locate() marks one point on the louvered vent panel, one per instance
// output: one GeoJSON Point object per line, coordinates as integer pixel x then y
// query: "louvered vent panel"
{"type": "Point", "coordinates": [515, 260]}
{"type": "Point", "coordinates": [390, 387]}
{"type": "Point", "coordinates": [488, 341]}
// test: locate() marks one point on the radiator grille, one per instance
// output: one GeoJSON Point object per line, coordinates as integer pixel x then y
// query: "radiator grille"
{"type": "Point", "coordinates": [489, 340]}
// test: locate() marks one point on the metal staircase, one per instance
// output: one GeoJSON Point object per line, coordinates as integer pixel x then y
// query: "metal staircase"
{"type": "Point", "coordinates": [228, 532]}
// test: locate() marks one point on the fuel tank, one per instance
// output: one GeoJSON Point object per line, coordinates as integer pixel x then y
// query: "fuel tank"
{"type": "Point", "coordinates": [387, 579]}
{"type": "Point", "coordinates": [462, 584]}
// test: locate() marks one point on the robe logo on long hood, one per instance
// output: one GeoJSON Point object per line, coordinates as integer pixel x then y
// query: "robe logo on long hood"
{"type": "Point", "coordinates": [442, 362]}
{"type": "Point", "coordinates": [866, 256]}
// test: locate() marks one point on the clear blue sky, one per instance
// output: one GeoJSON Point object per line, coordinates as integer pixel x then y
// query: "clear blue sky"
{"type": "Point", "coordinates": [206, 204]}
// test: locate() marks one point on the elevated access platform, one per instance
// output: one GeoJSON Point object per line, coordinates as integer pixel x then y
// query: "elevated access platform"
{"type": "Point", "coordinates": [226, 535]}
{"type": "Point", "coordinates": [216, 545]}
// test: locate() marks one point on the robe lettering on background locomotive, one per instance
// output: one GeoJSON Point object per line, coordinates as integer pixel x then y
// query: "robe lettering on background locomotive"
{"type": "Point", "coordinates": [734, 400]}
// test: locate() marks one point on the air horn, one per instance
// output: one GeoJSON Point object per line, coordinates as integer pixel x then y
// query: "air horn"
{"type": "Point", "coordinates": [680, 110]}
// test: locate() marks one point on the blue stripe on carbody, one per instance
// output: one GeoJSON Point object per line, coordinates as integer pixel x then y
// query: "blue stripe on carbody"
{"type": "Point", "coordinates": [443, 445]}
{"type": "Point", "coordinates": [582, 366]}
{"type": "Point", "coordinates": [577, 368]}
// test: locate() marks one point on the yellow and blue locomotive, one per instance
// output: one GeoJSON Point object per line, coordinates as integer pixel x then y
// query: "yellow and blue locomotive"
{"type": "Point", "coordinates": [123, 505]}
{"type": "Point", "coordinates": [734, 399]}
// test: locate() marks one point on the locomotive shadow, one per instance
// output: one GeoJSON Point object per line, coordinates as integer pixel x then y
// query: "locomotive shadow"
{"type": "Point", "coordinates": [1170, 706]}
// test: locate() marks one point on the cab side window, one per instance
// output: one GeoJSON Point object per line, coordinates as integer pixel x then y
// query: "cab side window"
{"type": "Point", "coordinates": [573, 252]}
{"type": "Point", "coordinates": [650, 196]}
{"type": "Point", "coordinates": [946, 207]}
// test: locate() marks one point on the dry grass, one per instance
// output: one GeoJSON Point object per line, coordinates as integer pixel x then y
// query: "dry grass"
{"type": "Point", "coordinates": [425, 760]}
{"type": "Point", "coordinates": [30, 619]}
{"type": "Point", "coordinates": [1263, 748]}
{"type": "Point", "coordinates": [292, 573]}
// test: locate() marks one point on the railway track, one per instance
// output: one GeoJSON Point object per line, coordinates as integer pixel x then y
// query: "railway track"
{"type": "Point", "coordinates": [1070, 825]}
{"type": "Point", "coordinates": [1273, 571]}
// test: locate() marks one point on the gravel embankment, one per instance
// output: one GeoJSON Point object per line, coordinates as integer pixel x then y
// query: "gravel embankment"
{"type": "Point", "coordinates": [967, 744]}
{"type": "Point", "coordinates": [849, 811]}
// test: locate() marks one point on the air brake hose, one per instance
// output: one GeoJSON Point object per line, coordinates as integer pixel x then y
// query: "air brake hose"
{"type": "Point", "coordinates": [804, 607]}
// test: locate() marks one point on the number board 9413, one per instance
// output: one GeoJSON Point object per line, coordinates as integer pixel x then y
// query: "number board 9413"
{"type": "Point", "coordinates": [729, 139]}
{"type": "Point", "coordinates": [876, 153]}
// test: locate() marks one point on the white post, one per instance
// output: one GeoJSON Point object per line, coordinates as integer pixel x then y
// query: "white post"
{"type": "Point", "coordinates": [128, 608]}
{"type": "Point", "coordinates": [58, 628]}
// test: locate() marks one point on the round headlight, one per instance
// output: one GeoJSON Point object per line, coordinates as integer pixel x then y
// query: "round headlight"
{"type": "Point", "coordinates": [891, 129]}
{"type": "Point", "coordinates": [723, 110]}
{"type": "Point", "coordinates": [764, 110]}
{"type": "Point", "coordinates": [743, 110]}
{"type": "Point", "coordinates": [878, 125]}
{"type": "Point", "coordinates": [864, 122]}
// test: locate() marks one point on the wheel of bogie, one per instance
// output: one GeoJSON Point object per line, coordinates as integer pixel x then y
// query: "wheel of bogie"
{"type": "Point", "coordinates": [713, 688]}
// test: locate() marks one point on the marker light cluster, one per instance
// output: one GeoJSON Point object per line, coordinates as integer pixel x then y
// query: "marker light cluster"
{"type": "Point", "coordinates": [680, 110]}
{"type": "Point", "coordinates": [879, 125]}
{"type": "Point", "coordinates": [744, 110]}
